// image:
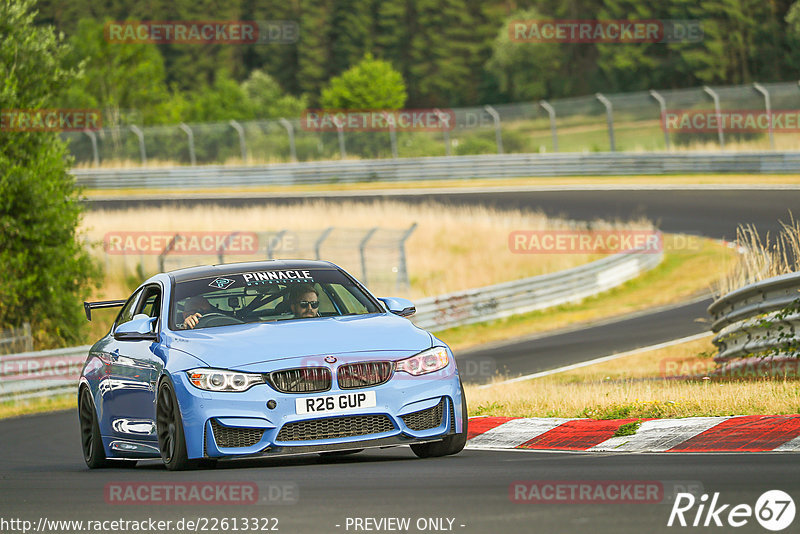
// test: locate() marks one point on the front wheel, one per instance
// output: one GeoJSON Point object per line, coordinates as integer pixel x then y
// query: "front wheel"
{"type": "Point", "coordinates": [452, 444]}
{"type": "Point", "coordinates": [169, 426]}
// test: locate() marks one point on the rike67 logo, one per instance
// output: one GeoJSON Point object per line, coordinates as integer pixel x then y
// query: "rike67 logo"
{"type": "Point", "coordinates": [774, 510]}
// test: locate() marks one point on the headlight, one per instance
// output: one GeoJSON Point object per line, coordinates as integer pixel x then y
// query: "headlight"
{"type": "Point", "coordinates": [222, 380]}
{"type": "Point", "coordinates": [425, 362]}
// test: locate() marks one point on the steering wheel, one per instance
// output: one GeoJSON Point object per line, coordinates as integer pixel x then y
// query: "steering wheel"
{"type": "Point", "coordinates": [217, 319]}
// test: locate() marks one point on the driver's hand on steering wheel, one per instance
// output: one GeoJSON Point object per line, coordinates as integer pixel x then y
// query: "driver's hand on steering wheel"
{"type": "Point", "coordinates": [192, 320]}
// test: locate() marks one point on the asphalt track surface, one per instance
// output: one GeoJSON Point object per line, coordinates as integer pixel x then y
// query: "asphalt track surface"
{"type": "Point", "coordinates": [42, 473]}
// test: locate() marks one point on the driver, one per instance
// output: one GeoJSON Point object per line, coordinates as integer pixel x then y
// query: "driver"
{"type": "Point", "coordinates": [304, 301]}
{"type": "Point", "coordinates": [194, 309]}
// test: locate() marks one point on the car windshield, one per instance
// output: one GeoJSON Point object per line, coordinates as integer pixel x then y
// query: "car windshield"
{"type": "Point", "coordinates": [267, 295]}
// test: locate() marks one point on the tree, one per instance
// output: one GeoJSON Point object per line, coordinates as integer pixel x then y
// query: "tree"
{"type": "Point", "coordinates": [126, 80]}
{"type": "Point", "coordinates": [371, 84]}
{"type": "Point", "coordinates": [525, 70]}
{"type": "Point", "coordinates": [268, 100]}
{"type": "Point", "coordinates": [46, 271]}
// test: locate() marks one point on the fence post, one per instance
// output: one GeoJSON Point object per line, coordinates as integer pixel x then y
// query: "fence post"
{"type": "Point", "coordinates": [224, 246]}
{"type": "Point", "coordinates": [340, 135]}
{"type": "Point", "coordinates": [320, 240]}
{"type": "Point", "coordinates": [135, 129]}
{"type": "Point", "coordinates": [185, 127]}
{"type": "Point", "coordinates": [445, 131]}
{"type": "Point", "coordinates": [393, 138]}
{"type": "Point", "coordinates": [662, 105]}
{"type": "Point", "coordinates": [26, 331]}
{"type": "Point", "coordinates": [768, 106]}
{"type": "Point", "coordinates": [552, 113]}
{"type": "Point", "coordinates": [715, 97]}
{"type": "Point", "coordinates": [167, 250]}
{"type": "Point", "coordinates": [242, 144]}
{"type": "Point", "coordinates": [609, 119]}
{"type": "Point", "coordinates": [497, 132]}
{"type": "Point", "coordinates": [290, 130]}
{"type": "Point", "coordinates": [402, 275]}
{"type": "Point", "coordinates": [361, 249]}
{"type": "Point", "coordinates": [95, 156]}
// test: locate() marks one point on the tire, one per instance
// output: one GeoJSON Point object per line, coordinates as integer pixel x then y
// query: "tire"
{"type": "Point", "coordinates": [169, 427]}
{"type": "Point", "coordinates": [91, 442]}
{"type": "Point", "coordinates": [452, 444]}
{"type": "Point", "coordinates": [334, 454]}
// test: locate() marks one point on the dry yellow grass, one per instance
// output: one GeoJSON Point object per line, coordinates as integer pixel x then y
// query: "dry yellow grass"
{"type": "Point", "coordinates": [763, 258]}
{"type": "Point", "coordinates": [453, 248]}
{"type": "Point", "coordinates": [485, 183]}
{"type": "Point", "coordinates": [632, 386]}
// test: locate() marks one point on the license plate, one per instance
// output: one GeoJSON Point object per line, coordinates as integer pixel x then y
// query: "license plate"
{"type": "Point", "coordinates": [336, 403]}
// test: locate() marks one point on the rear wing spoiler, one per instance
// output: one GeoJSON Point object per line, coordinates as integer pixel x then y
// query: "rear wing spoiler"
{"type": "Point", "coordinates": [89, 306]}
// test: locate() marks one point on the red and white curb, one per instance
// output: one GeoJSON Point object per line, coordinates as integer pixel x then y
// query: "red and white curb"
{"type": "Point", "coordinates": [743, 433]}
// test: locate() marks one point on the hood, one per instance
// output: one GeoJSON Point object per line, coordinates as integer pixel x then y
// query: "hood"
{"type": "Point", "coordinates": [240, 345]}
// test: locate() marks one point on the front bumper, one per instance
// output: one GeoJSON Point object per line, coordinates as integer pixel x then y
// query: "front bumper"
{"type": "Point", "coordinates": [231, 425]}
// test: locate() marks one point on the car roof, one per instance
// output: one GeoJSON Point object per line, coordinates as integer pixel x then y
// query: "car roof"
{"type": "Point", "coordinates": [193, 273]}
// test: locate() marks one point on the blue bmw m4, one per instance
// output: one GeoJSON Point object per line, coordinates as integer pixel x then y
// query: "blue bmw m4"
{"type": "Point", "coordinates": [263, 359]}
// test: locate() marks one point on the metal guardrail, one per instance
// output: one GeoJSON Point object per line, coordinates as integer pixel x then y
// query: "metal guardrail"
{"type": "Point", "coordinates": [761, 319]}
{"type": "Point", "coordinates": [531, 294]}
{"type": "Point", "coordinates": [439, 168]}
{"type": "Point", "coordinates": [30, 374]}
{"type": "Point", "coordinates": [40, 374]}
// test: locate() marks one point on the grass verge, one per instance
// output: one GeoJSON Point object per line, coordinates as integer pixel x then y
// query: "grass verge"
{"type": "Point", "coordinates": [40, 405]}
{"type": "Point", "coordinates": [634, 387]}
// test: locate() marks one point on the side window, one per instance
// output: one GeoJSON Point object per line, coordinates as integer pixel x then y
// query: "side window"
{"type": "Point", "coordinates": [150, 303]}
{"type": "Point", "coordinates": [350, 301]}
{"type": "Point", "coordinates": [127, 312]}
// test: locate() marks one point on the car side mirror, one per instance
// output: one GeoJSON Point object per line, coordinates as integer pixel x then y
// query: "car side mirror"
{"type": "Point", "coordinates": [399, 306]}
{"type": "Point", "coordinates": [140, 328]}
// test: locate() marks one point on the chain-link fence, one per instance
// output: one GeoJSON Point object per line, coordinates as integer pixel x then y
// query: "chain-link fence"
{"type": "Point", "coordinates": [14, 340]}
{"type": "Point", "coordinates": [377, 256]}
{"type": "Point", "coordinates": [599, 123]}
